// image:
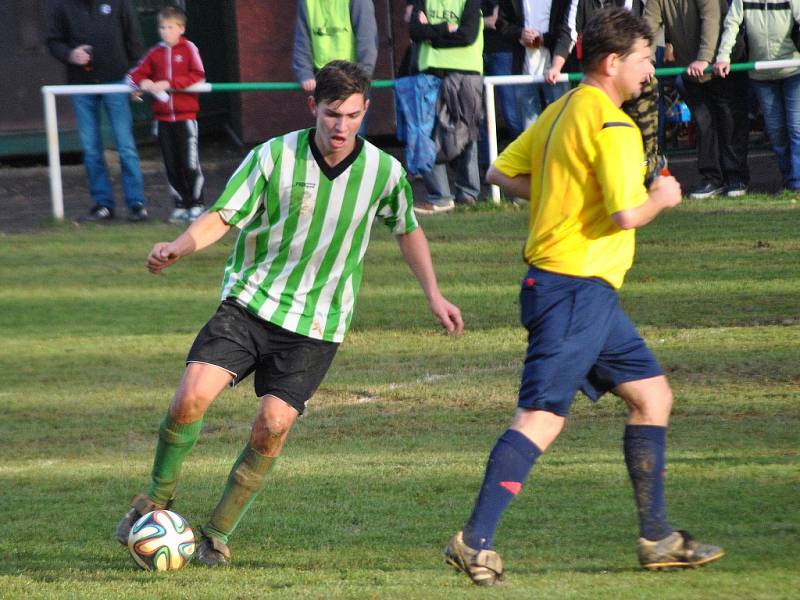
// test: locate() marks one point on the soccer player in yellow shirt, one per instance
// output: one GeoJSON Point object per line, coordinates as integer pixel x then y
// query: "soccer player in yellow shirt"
{"type": "Point", "coordinates": [582, 166]}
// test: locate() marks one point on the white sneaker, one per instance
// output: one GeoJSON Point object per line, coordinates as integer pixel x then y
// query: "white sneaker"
{"type": "Point", "coordinates": [179, 216]}
{"type": "Point", "coordinates": [195, 212]}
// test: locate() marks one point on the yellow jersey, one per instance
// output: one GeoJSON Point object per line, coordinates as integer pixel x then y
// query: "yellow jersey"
{"type": "Point", "coordinates": [586, 161]}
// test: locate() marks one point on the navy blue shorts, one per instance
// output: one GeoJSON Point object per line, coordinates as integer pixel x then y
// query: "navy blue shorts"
{"type": "Point", "coordinates": [579, 338]}
{"type": "Point", "coordinates": [287, 365]}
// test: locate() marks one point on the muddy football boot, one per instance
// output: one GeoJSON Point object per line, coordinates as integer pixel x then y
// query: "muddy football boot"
{"type": "Point", "coordinates": [484, 567]}
{"type": "Point", "coordinates": [678, 550]}
{"type": "Point", "coordinates": [212, 552]}
{"type": "Point", "coordinates": [140, 506]}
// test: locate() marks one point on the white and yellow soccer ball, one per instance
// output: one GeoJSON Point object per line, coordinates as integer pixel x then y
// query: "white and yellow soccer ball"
{"type": "Point", "coordinates": [161, 541]}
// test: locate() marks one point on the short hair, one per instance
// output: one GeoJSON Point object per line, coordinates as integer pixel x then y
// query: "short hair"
{"type": "Point", "coordinates": [340, 79]}
{"type": "Point", "coordinates": [172, 13]}
{"type": "Point", "coordinates": [612, 31]}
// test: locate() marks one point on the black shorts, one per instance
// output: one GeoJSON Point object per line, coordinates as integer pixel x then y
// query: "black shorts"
{"type": "Point", "coordinates": [288, 365]}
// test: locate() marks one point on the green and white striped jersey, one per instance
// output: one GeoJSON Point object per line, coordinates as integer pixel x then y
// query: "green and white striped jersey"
{"type": "Point", "coordinates": [298, 259]}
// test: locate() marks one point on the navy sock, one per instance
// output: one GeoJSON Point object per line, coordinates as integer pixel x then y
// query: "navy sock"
{"type": "Point", "coordinates": [645, 448]}
{"type": "Point", "coordinates": [509, 463]}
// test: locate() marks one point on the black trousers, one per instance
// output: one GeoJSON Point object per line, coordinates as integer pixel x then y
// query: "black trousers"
{"type": "Point", "coordinates": [719, 109]}
{"type": "Point", "coordinates": [178, 141]}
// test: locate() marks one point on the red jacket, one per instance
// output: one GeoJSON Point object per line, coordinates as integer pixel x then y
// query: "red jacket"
{"type": "Point", "coordinates": [182, 66]}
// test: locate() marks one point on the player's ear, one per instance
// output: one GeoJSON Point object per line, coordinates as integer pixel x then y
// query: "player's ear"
{"type": "Point", "coordinates": [312, 105]}
{"type": "Point", "coordinates": [366, 105]}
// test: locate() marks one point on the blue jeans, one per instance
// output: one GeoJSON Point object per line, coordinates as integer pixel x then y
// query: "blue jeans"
{"type": "Point", "coordinates": [87, 113]}
{"type": "Point", "coordinates": [780, 104]}
{"type": "Point", "coordinates": [500, 63]}
{"type": "Point", "coordinates": [467, 179]}
{"type": "Point", "coordinates": [534, 98]}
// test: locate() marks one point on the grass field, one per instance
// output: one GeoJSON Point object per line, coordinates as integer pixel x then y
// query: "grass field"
{"type": "Point", "coordinates": [386, 464]}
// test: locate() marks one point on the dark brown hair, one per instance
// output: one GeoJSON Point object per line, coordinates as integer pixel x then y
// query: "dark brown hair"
{"type": "Point", "coordinates": [340, 79]}
{"type": "Point", "coordinates": [612, 31]}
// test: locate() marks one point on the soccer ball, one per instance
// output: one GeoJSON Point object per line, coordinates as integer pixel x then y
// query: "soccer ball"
{"type": "Point", "coordinates": [161, 541]}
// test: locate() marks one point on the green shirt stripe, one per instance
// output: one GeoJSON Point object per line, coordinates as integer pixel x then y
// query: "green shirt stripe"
{"type": "Point", "coordinates": [298, 260]}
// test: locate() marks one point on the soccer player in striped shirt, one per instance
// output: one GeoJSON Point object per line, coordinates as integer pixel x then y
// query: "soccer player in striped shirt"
{"type": "Point", "coordinates": [304, 205]}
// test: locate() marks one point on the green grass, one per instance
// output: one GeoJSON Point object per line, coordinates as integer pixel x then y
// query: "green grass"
{"type": "Point", "coordinates": [386, 464]}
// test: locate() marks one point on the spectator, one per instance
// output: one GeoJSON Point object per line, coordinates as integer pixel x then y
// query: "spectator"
{"type": "Point", "coordinates": [498, 59]}
{"type": "Point", "coordinates": [450, 34]}
{"type": "Point", "coordinates": [329, 30]}
{"type": "Point", "coordinates": [532, 26]}
{"type": "Point", "coordinates": [99, 42]}
{"type": "Point", "coordinates": [769, 28]}
{"type": "Point", "coordinates": [644, 109]}
{"type": "Point", "coordinates": [719, 106]}
{"type": "Point", "coordinates": [175, 64]}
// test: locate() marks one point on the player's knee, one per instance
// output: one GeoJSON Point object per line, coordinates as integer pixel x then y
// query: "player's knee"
{"type": "Point", "coordinates": [269, 432]}
{"type": "Point", "coordinates": [190, 404]}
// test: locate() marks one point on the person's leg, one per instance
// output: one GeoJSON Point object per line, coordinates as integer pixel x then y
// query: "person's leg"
{"type": "Point", "coordinates": [119, 115]}
{"type": "Point", "coordinates": [179, 430]}
{"type": "Point", "coordinates": [529, 101]}
{"type": "Point", "coordinates": [267, 437]}
{"type": "Point", "coordinates": [172, 163]}
{"type": "Point", "coordinates": [177, 435]}
{"type": "Point", "coordinates": [707, 143]}
{"type": "Point", "coordinates": [191, 157]}
{"type": "Point", "coordinates": [728, 98]}
{"type": "Point", "coordinates": [437, 185]}
{"type": "Point", "coordinates": [509, 464]}
{"type": "Point", "coordinates": [791, 102]}
{"type": "Point", "coordinates": [87, 115]}
{"type": "Point", "coordinates": [649, 404]}
{"type": "Point", "coordinates": [467, 178]}
{"type": "Point", "coordinates": [772, 107]}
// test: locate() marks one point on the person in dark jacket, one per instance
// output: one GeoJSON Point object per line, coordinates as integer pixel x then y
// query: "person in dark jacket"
{"type": "Point", "coordinates": [532, 27]}
{"type": "Point", "coordinates": [99, 42]}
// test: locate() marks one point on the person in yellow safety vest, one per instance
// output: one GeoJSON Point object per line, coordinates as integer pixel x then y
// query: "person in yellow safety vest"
{"type": "Point", "coordinates": [450, 35]}
{"type": "Point", "coordinates": [329, 30]}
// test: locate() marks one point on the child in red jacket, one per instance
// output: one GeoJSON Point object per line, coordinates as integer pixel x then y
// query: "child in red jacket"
{"type": "Point", "coordinates": [175, 64]}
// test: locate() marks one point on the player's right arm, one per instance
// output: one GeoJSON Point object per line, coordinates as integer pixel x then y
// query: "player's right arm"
{"type": "Point", "coordinates": [202, 233]}
{"type": "Point", "coordinates": [519, 186]}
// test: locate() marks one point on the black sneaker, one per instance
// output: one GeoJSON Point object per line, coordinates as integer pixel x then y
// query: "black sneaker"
{"type": "Point", "coordinates": [137, 213]}
{"type": "Point", "coordinates": [733, 190]}
{"type": "Point", "coordinates": [706, 190]}
{"type": "Point", "coordinates": [98, 213]}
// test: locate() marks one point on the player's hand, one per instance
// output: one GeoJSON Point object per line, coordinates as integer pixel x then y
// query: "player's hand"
{"type": "Point", "coordinates": [722, 68]}
{"type": "Point", "coordinates": [696, 68]}
{"type": "Point", "coordinates": [308, 85]}
{"type": "Point", "coordinates": [551, 75]}
{"type": "Point", "coordinates": [423, 19]}
{"type": "Point", "coordinates": [161, 256]}
{"type": "Point", "coordinates": [666, 191]}
{"type": "Point", "coordinates": [448, 314]}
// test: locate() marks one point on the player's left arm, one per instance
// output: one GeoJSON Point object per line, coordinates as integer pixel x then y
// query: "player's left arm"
{"type": "Point", "coordinates": [415, 250]}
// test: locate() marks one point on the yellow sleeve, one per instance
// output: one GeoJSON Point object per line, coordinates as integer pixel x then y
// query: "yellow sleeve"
{"type": "Point", "coordinates": [619, 166]}
{"type": "Point", "coordinates": [516, 158]}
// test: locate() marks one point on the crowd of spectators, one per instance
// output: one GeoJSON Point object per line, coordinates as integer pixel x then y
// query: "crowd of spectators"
{"type": "Point", "coordinates": [439, 90]}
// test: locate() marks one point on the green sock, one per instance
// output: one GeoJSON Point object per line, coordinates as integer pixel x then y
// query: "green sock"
{"type": "Point", "coordinates": [175, 440]}
{"type": "Point", "coordinates": [244, 483]}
